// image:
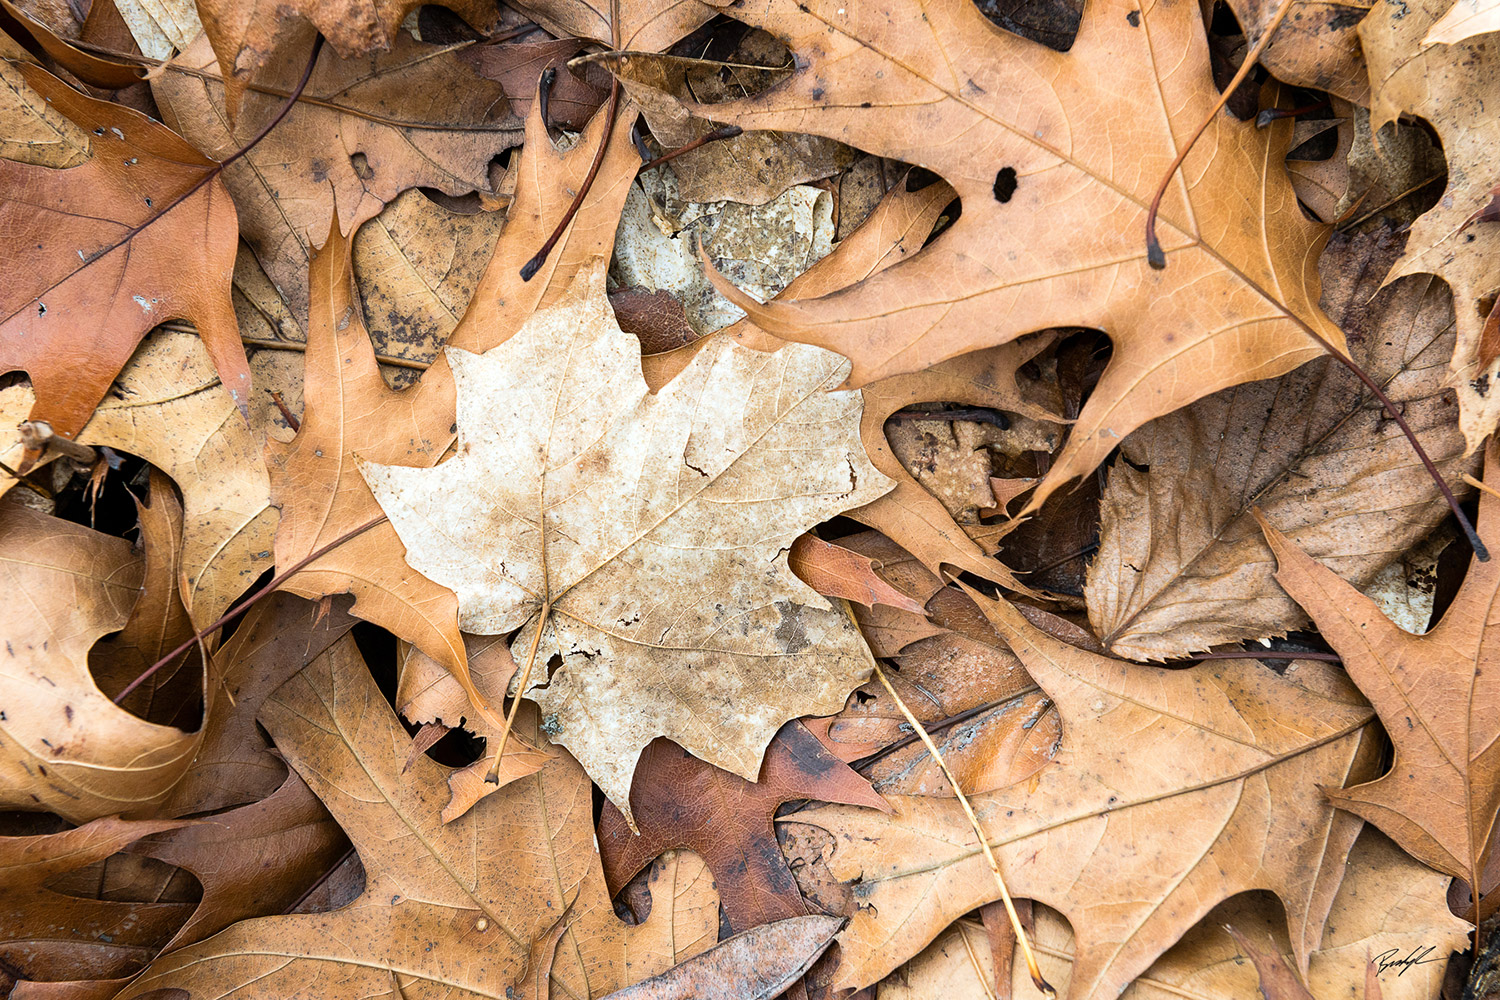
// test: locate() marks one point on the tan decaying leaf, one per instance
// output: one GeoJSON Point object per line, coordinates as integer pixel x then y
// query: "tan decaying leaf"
{"type": "Point", "coordinates": [141, 232]}
{"type": "Point", "coordinates": [56, 937]}
{"type": "Point", "coordinates": [1173, 790]}
{"type": "Point", "coordinates": [757, 964]}
{"type": "Point", "coordinates": [354, 142]}
{"type": "Point", "coordinates": [31, 129]}
{"type": "Point", "coordinates": [908, 513]}
{"type": "Point", "coordinates": [644, 535]}
{"type": "Point", "coordinates": [448, 909]}
{"type": "Point", "coordinates": [760, 247]}
{"type": "Point", "coordinates": [247, 36]}
{"type": "Point", "coordinates": [1464, 20]}
{"type": "Point", "coordinates": [621, 24]}
{"type": "Point", "coordinates": [1389, 908]}
{"type": "Point", "coordinates": [416, 266]}
{"type": "Point", "coordinates": [1041, 146]}
{"type": "Point", "coordinates": [1316, 45]}
{"type": "Point", "coordinates": [1438, 695]}
{"type": "Point", "coordinates": [428, 692]}
{"type": "Point", "coordinates": [1182, 565]}
{"type": "Point", "coordinates": [314, 479]}
{"type": "Point", "coordinates": [64, 746]}
{"type": "Point", "coordinates": [170, 408]}
{"type": "Point", "coordinates": [1455, 87]}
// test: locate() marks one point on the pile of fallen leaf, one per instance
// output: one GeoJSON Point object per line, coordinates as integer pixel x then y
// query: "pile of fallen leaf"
{"type": "Point", "coordinates": [565, 499]}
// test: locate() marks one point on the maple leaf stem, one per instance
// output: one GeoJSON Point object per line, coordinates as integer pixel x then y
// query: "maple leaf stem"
{"type": "Point", "coordinates": [1154, 254]}
{"type": "Point", "coordinates": [984, 842]}
{"type": "Point", "coordinates": [248, 603]}
{"type": "Point", "coordinates": [532, 266]}
{"type": "Point", "coordinates": [515, 704]}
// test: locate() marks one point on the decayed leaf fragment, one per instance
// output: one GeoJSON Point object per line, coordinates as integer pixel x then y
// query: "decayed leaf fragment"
{"type": "Point", "coordinates": [1182, 565]}
{"type": "Point", "coordinates": [355, 140]}
{"type": "Point", "coordinates": [64, 746]}
{"type": "Point", "coordinates": [453, 908]}
{"type": "Point", "coordinates": [112, 253]}
{"type": "Point", "coordinates": [1456, 88]}
{"type": "Point", "coordinates": [1173, 790]}
{"type": "Point", "coordinates": [644, 535]}
{"type": "Point", "coordinates": [1438, 695]}
{"type": "Point", "coordinates": [679, 801]}
{"type": "Point", "coordinates": [1042, 147]}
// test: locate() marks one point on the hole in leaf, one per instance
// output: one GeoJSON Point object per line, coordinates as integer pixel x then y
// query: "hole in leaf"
{"type": "Point", "coordinates": [1005, 184]}
{"type": "Point", "coordinates": [1053, 23]}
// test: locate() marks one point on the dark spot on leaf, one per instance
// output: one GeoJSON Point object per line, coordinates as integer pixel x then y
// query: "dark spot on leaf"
{"type": "Point", "coordinates": [1005, 184]}
{"type": "Point", "coordinates": [1134, 17]}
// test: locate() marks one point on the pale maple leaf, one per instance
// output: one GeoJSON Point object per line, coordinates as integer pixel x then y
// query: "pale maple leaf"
{"type": "Point", "coordinates": [646, 535]}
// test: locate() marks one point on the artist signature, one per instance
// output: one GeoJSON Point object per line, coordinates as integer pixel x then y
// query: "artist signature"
{"type": "Point", "coordinates": [1387, 960]}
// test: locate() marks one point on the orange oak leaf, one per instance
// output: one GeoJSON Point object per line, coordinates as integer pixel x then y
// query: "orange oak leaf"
{"type": "Point", "coordinates": [1438, 695]}
{"type": "Point", "coordinates": [140, 233]}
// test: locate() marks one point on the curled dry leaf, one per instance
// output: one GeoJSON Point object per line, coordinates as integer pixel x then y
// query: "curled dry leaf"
{"type": "Point", "coordinates": [352, 409]}
{"type": "Point", "coordinates": [1239, 290]}
{"type": "Point", "coordinates": [169, 407]}
{"type": "Point", "coordinates": [1450, 86]}
{"type": "Point", "coordinates": [1132, 855]}
{"type": "Point", "coordinates": [141, 232]}
{"type": "Point", "coordinates": [1438, 695]}
{"type": "Point", "coordinates": [66, 747]}
{"type": "Point", "coordinates": [1182, 565]}
{"type": "Point", "coordinates": [757, 964]}
{"type": "Point", "coordinates": [679, 801]}
{"type": "Point", "coordinates": [53, 937]}
{"type": "Point", "coordinates": [448, 907]}
{"type": "Point", "coordinates": [641, 538]}
{"type": "Point", "coordinates": [350, 145]}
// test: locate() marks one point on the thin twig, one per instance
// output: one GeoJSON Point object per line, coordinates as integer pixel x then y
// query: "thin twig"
{"type": "Point", "coordinates": [300, 347]}
{"type": "Point", "coordinates": [717, 135]}
{"type": "Point", "coordinates": [984, 842]}
{"type": "Point", "coordinates": [249, 602]}
{"type": "Point", "coordinates": [1342, 226]}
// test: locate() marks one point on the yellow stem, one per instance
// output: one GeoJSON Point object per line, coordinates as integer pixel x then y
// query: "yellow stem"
{"type": "Point", "coordinates": [984, 843]}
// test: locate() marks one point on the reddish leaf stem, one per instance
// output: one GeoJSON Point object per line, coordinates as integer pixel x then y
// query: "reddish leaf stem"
{"type": "Point", "coordinates": [717, 135]}
{"type": "Point", "coordinates": [249, 602]}
{"type": "Point", "coordinates": [532, 266]}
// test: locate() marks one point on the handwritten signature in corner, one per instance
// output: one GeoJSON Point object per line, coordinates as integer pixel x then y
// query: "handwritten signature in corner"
{"type": "Point", "coordinates": [1387, 960]}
